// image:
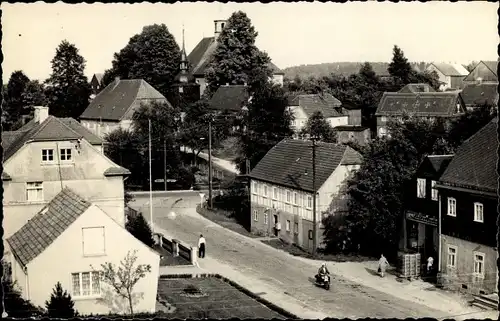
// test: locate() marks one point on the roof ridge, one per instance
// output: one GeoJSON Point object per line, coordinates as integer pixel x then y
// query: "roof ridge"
{"type": "Point", "coordinates": [71, 129]}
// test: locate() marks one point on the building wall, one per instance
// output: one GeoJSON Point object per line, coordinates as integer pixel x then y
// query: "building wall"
{"type": "Point", "coordinates": [361, 137]}
{"type": "Point", "coordinates": [203, 85]}
{"type": "Point", "coordinates": [354, 117]}
{"type": "Point", "coordinates": [482, 72]}
{"type": "Point", "coordinates": [84, 175]}
{"type": "Point", "coordinates": [457, 82]}
{"type": "Point", "coordinates": [101, 128]}
{"type": "Point", "coordinates": [454, 278]}
{"type": "Point", "coordinates": [441, 77]}
{"type": "Point", "coordinates": [278, 79]}
{"type": "Point", "coordinates": [300, 118]}
{"type": "Point", "coordinates": [95, 85]}
{"type": "Point", "coordinates": [69, 245]}
{"type": "Point", "coordinates": [338, 121]}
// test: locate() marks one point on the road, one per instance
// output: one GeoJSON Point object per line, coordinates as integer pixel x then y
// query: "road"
{"type": "Point", "coordinates": [276, 268]}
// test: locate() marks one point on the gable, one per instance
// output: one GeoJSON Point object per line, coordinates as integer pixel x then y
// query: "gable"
{"type": "Point", "coordinates": [486, 71]}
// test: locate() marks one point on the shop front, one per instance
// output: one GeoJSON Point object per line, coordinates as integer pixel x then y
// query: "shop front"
{"type": "Point", "coordinates": [422, 235]}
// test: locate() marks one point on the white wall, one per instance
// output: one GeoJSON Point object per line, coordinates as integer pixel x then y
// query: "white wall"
{"type": "Point", "coordinates": [338, 121]}
{"type": "Point", "coordinates": [47, 269]}
{"type": "Point", "coordinates": [278, 79]}
{"type": "Point", "coordinates": [203, 85]}
{"type": "Point", "coordinates": [300, 118]}
{"type": "Point", "coordinates": [101, 128]}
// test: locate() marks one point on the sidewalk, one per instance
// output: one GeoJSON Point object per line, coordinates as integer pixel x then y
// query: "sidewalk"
{"type": "Point", "coordinates": [209, 265]}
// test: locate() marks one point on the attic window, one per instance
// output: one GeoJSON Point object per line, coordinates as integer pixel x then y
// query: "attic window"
{"type": "Point", "coordinates": [44, 210]}
{"type": "Point", "coordinates": [297, 159]}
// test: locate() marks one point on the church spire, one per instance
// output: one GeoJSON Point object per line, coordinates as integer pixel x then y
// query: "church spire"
{"type": "Point", "coordinates": [184, 60]}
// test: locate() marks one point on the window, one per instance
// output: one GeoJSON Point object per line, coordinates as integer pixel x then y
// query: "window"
{"type": "Point", "coordinates": [309, 201]}
{"type": "Point", "coordinates": [93, 241]}
{"type": "Point", "coordinates": [255, 215]}
{"type": "Point", "coordinates": [254, 187]}
{"type": "Point", "coordinates": [275, 193]}
{"type": "Point", "coordinates": [434, 191]}
{"type": "Point", "coordinates": [421, 182]}
{"type": "Point", "coordinates": [181, 89]}
{"type": "Point", "coordinates": [383, 119]}
{"type": "Point", "coordinates": [34, 191]}
{"type": "Point", "coordinates": [479, 264]}
{"type": "Point", "coordinates": [288, 196]}
{"type": "Point", "coordinates": [287, 226]}
{"type": "Point", "coordinates": [310, 234]}
{"type": "Point", "coordinates": [265, 190]}
{"type": "Point", "coordinates": [65, 154]}
{"type": "Point", "coordinates": [478, 213]}
{"type": "Point", "coordinates": [452, 257]}
{"type": "Point", "coordinates": [295, 199]}
{"type": "Point", "coordinates": [296, 228]}
{"type": "Point", "coordinates": [452, 206]}
{"type": "Point", "coordinates": [86, 284]}
{"type": "Point", "coordinates": [266, 218]}
{"type": "Point", "coordinates": [382, 131]}
{"type": "Point", "coordinates": [47, 155]}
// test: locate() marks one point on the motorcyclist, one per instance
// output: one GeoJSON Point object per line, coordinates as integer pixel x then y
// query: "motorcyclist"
{"type": "Point", "coordinates": [323, 270]}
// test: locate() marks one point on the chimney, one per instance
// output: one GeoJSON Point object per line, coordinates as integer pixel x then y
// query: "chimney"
{"type": "Point", "coordinates": [219, 25]}
{"type": "Point", "coordinates": [41, 113]}
{"type": "Point", "coordinates": [117, 79]}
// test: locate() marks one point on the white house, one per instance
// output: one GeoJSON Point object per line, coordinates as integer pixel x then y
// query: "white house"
{"type": "Point", "coordinates": [114, 106]}
{"type": "Point", "coordinates": [451, 76]}
{"type": "Point", "coordinates": [66, 242]}
{"type": "Point", "coordinates": [48, 154]}
{"type": "Point", "coordinates": [282, 191]}
{"type": "Point", "coordinates": [304, 106]}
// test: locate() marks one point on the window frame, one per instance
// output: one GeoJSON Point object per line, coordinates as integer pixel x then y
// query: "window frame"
{"type": "Point", "coordinates": [65, 154]}
{"type": "Point", "coordinates": [255, 215]}
{"type": "Point", "coordinates": [434, 191]}
{"type": "Point", "coordinates": [91, 294]}
{"type": "Point", "coordinates": [476, 206]}
{"type": "Point", "coordinates": [476, 274]}
{"type": "Point", "coordinates": [48, 161]}
{"type": "Point", "coordinates": [288, 197]}
{"type": "Point", "coordinates": [309, 201]}
{"type": "Point", "coordinates": [421, 187]}
{"type": "Point", "coordinates": [264, 193]}
{"type": "Point", "coordinates": [287, 225]}
{"type": "Point", "coordinates": [254, 188]}
{"type": "Point", "coordinates": [275, 193]}
{"type": "Point", "coordinates": [310, 234]}
{"type": "Point", "coordinates": [449, 212]}
{"type": "Point", "coordinates": [266, 218]}
{"type": "Point", "coordinates": [28, 188]}
{"type": "Point", "coordinates": [103, 238]}
{"type": "Point", "coordinates": [455, 255]}
{"type": "Point", "coordinates": [296, 228]}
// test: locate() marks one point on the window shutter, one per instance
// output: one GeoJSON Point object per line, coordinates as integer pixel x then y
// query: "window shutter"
{"type": "Point", "coordinates": [93, 241]}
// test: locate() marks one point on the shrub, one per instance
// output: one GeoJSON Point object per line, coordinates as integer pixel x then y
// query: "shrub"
{"type": "Point", "coordinates": [15, 306]}
{"type": "Point", "coordinates": [138, 227]}
{"type": "Point", "coordinates": [60, 304]}
{"type": "Point", "coordinates": [191, 289]}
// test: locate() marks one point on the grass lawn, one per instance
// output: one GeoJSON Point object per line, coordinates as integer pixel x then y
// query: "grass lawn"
{"type": "Point", "coordinates": [168, 259]}
{"type": "Point", "coordinates": [224, 220]}
{"type": "Point", "coordinates": [297, 251]}
{"type": "Point", "coordinates": [220, 300]}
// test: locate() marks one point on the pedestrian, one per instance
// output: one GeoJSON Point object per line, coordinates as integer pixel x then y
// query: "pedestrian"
{"type": "Point", "coordinates": [382, 265]}
{"type": "Point", "coordinates": [201, 246]}
{"type": "Point", "coordinates": [430, 262]}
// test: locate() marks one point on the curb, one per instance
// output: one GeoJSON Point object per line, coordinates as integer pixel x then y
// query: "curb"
{"type": "Point", "coordinates": [242, 289]}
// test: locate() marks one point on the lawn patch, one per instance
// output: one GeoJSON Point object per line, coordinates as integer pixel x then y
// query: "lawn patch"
{"type": "Point", "coordinates": [224, 219]}
{"type": "Point", "coordinates": [221, 300]}
{"type": "Point", "coordinates": [297, 251]}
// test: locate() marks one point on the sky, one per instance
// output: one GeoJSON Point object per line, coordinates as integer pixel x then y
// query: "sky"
{"type": "Point", "coordinates": [291, 33]}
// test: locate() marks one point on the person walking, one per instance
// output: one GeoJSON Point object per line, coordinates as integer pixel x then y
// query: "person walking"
{"type": "Point", "coordinates": [201, 246]}
{"type": "Point", "coordinates": [430, 262]}
{"type": "Point", "coordinates": [382, 265]}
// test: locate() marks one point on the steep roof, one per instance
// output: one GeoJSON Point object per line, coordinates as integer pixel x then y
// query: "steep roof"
{"type": "Point", "coordinates": [451, 69]}
{"type": "Point", "coordinates": [480, 94]}
{"type": "Point", "coordinates": [115, 102]}
{"type": "Point", "coordinates": [229, 98]}
{"type": "Point", "coordinates": [51, 129]}
{"type": "Point", "coordinates": [475, 162]}
{"type": "Point", "coordinates": [417, 88]}
{"type": "Point", "coordinates": [311, 103]}
{"type": "Point", "coordinates": [441, 104]}
{"type": "Point", "coordinates": [98, 77]}
{"type": "Point", "coordinates": [46, 226]}
{"type": "Point", "coordinates": [289, 163]}
{"type": "Point", "coordinates": [275, 69]}
{"type": "Point", "coordinates": [439, 162]}
{"type": "Point", "coordinates": [492, 65]}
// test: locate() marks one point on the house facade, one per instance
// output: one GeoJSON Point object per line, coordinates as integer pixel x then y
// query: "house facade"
{"type": "Point", "coordinates": [451, 76]}
{"type": "Point", "coordinates": [200, 56]}
{"type": "Point", "coordinates": [420, 228]}
{"type": "Point", "coordinates": [485, 72]}
{"type": "Point", "coordinates": [115, 105]}
{"type": "Point", "coordinates": [85, 236]}
{"type": "Point", "coordinates": [281, 189]}
{"type": "Point", "coordinates": [445, 106]}
{"type": "Point", "coordinates": [48, 154]}
{"type": "Point", "coordinates": [96, 84]}
{"type": "Point", "coordinates": [353, 131]}
{"type": "Point", "coordinates": [468, 209]}
{"type": "Point", "coordinates": [302, 107]}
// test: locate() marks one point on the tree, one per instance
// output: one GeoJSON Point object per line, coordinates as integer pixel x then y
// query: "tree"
{"type": "Point", "coordinates": [140, 229]}
{"type": "Point", "coordinates": [152, 55]}
{"type": "Point", "coordinates": [14, 304]}
{"type": "Point", "coordinates": [60, 304]}
{"type": "Point", "coordinates": [122, 279]}
{"type": "Point", "coordinates": [317, 127]}
{"type": "Point", "coordinates": [399, 68]}
{"type": "Point", "coordinates": [237, 60]}
{"type": "Point", "coordinates": [33, 95]}
{"type": "Point", "coordinates": [13, 102]}
{"type": "Point", "coordinates": [267, 123]}
{"type": "Point", "coordinates": [68, 89]}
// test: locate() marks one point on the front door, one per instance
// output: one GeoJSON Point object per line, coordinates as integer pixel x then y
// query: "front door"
{"type": "Point", "coordinates": [276, 225]}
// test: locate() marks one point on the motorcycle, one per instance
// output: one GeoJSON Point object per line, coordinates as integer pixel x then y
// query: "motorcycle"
{"type": "Point", "coordinates": [323, 281]}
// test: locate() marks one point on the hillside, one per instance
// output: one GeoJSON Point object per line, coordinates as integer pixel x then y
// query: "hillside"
{"type": "Point", "coordinates": [340, 68]}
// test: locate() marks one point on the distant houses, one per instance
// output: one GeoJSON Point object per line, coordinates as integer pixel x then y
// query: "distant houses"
{"type": "Point", "coordinates": [483, 72]}
{"type": "Point", "coordinates": [450, 76]}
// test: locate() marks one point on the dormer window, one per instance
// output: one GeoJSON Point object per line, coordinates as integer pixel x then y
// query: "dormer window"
{"type": "Point", "coordinates": [65, 155]}
{"type": "Point", "coordinates": [47, 155]}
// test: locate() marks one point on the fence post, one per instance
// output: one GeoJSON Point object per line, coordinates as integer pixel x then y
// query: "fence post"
{"type": "Point", "coordinates": [194, 255]}
{"type": "Point", "coordinates": [175, 247]}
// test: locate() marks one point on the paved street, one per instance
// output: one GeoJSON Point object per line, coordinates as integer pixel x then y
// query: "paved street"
{"type": "Point", "coordinates": [278, 269]}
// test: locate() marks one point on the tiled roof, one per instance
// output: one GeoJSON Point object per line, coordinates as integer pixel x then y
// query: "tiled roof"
{"type": "Point", "coordinates": [229, 98]}
{"type": "Point", "coordinates": [115, 102]}
{"type": "Point", "coordinates": [289, 163]}
{"type": "Point", "coordinates": [275, 69]}
{"type": "Point", "coordinates": [51, 129]}
{"type": "Point", "coordinates": [116, 171]}
{"type": "Point", "coordinates": [475, 162]}
{"type": "Point", "coordinates": [312, 103]}
{"type": "Point", "coordinates": [350, 128]}
{"type": "Point", "coordinates": [480, 94]}
{"type": "Point", "coordinates": [46, 226]}
{"type": "Point", "coordinates": [441, 104]}
{"type": "Point", "coordinates": [439, 162]}
{"type": "Point", "coordinates": [416, 88]}
{"type": "Point", "coordinates": [99, 77]}
{"type": "Point", "coordinates": [451, 69]}
{"type": "Point", "coordinates": [492, 65]}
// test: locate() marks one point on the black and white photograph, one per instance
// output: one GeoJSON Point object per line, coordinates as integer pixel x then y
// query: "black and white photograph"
{"type": "Point", "coordinates": [281, 160]}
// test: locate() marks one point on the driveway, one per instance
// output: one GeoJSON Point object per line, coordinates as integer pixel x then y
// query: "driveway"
{"type": "Point", "coordinates": [280, 270]}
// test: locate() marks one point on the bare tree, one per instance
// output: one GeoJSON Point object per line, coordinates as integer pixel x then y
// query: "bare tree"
{"type": "Point", "coordinates": [123, 278]}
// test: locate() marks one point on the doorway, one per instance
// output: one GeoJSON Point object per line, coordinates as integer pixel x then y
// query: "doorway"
{"type": "Point", "coordinates": [276, 231]}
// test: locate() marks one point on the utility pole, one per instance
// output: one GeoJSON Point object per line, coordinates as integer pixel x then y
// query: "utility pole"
{"type": "Point", "coordinates": [150, 179]}
{"type": "Point", "coordinates": [165, 161]}
{"type": "Point", "coordinates": [210, 163]}
{"type": "Point", "coordinates": [315, 220]}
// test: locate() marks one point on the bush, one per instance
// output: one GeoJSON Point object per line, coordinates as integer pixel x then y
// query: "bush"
{"type": "Point", "coordinates": [138, 227]}
{"type": "Point", "coordinates": [60, 304]}
{"type": "Point", "coordinates": [191, 289]}
{"type": "Point", "coordinates": [15, 305]}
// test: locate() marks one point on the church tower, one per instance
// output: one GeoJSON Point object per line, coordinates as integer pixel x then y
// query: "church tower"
{"type": "Point", "coordinates": [183, 78]}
